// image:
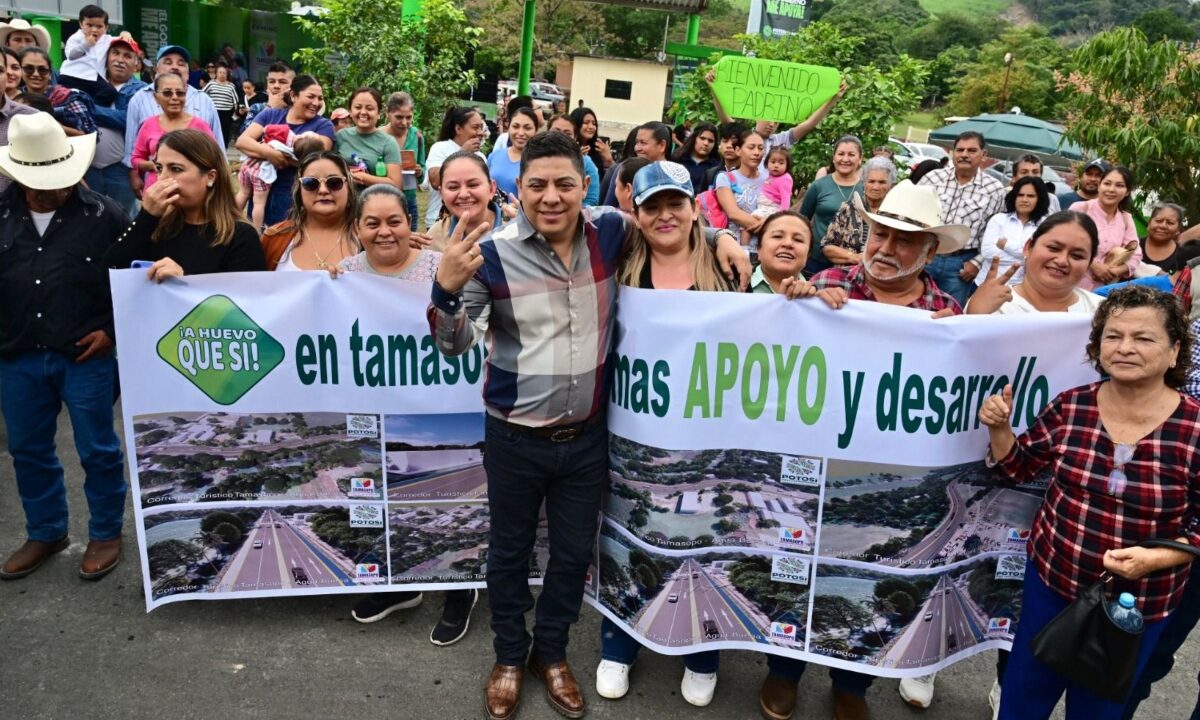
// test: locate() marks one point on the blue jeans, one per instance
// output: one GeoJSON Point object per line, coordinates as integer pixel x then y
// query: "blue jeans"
{"type": "Point", "coordinates": [1031, 689]}
{"type": "Point", "coordinates": [1162, 659]}
{"type": "Point", "coordinates": [410, 207]}
{"type": "Point", "coordinates": [113, 182]}
{"type": "Point", "coordinates": [792, 669]}
{"type": "Point", "coordinates": [279, 204]}
{"type": "Point", "coordinates": [33, 388]}
{"type": "Point", "coordinates": [619, 646]}
{"type": "Point", "coordinates": [523, 470]}
{"type": "Point", "coordinates": [945, 269]}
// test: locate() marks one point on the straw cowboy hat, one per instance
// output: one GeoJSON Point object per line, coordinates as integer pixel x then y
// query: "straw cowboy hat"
{"type": "Point", "coordinates": [916, 208]}
{"type": "Point", "coordinates": [39, 155]}
{"type": "Point", "coordinates": [40, 34]}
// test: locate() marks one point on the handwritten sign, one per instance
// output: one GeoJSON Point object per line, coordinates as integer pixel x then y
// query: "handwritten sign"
{"type": "Point", "coordinates": [784, 92]}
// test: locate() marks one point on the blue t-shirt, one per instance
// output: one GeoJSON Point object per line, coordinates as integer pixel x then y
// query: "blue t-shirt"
{"type": "Point", "coordinates": [504, 171]}
{"type": "Point", "coordinates": [278, 116]}
{"type": "Point", "coordinates": [593, 193]}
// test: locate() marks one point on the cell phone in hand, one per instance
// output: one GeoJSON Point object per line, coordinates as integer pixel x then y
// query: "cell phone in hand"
{"type": "Point", "coordinates": [604, 138]}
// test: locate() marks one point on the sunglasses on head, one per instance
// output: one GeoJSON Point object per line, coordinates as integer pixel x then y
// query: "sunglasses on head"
{"type": "Point", "coordinates": [333, 183]}
{"type": "Point", "coordinates": [35, 69]}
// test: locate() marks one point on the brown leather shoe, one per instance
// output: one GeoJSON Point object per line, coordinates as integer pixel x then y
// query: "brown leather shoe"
{"type": "Point", "coordinates": [848, 706]}
{"type": "Point", "coordinates": [562, 689]}
{"type": "Point", "coordinates": [503, 691]}
{"type": "Point", "coordinates": [31, 556]}
{"type": "Point", "coordinates": [777, 698]}
{"type": "Point", "coordinates": [100, 558]}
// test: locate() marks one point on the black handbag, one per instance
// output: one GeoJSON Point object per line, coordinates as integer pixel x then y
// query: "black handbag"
{"type": "Point", "coordinates": [1084, 645]}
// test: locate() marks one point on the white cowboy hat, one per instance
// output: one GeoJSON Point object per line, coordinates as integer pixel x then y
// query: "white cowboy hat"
{"type": "Point", "coordinates": [40, 34]}
{"type": "Point", "coordinates": [916, 208]}
{"type": "Point", "coordinates": [39, 155]}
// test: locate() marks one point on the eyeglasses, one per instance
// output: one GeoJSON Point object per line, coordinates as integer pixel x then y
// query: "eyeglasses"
{"type": "Point", "coordinates": [1116, 479]}
{"type": "Point", "coordinates": [173, 93]}
{"type": "Point", "coordinates": [35, 69]}
{"type": "Point", "coordinates": [210, 67]}
{"type": "Point", "coordinates": [333, 183]}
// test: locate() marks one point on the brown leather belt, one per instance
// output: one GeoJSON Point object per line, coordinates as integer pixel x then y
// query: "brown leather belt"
{"type": "Point", "coordinates": [557, 433]}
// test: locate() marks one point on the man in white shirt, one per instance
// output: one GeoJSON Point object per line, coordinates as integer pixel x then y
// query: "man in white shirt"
{"type": "Point", "coordinates": [142, 106]}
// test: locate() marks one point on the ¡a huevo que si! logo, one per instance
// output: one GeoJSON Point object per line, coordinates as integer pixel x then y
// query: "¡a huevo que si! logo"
{"type": "Point", "coordinates": [220, 349]}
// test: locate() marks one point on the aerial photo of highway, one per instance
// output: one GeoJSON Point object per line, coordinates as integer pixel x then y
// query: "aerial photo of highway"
{"type": "Point", "coordinates": [256, 548]}
{"type": "Point", "coordinates": [682, 499]}
{"type": "Point", "coordinates": [908, 621]}
{"type": "Point", "coordinates": [712, 598]}
{"type": "Point", "coordinates": [916, 517]}
{"type": "Point", "coordinates": [435, 457]}
{"type": "Point", "coordinates": [214, 457]}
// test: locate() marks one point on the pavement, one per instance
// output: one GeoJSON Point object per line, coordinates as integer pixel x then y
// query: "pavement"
{"type": "Point", "coordinates": [73, 649]}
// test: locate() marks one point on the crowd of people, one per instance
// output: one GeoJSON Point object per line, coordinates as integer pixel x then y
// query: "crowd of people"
{"type": "Point", "coordinates": [525, 247]}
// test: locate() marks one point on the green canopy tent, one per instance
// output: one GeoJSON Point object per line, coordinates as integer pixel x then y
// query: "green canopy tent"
{"type": "Point", "coordinates": [1009, 136]}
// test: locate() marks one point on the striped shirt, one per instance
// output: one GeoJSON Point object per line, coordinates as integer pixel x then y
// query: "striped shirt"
{"type": "Point", "coordinates": [548, 327]}
{"type": "Point", "coordinates": [1192, 385]}
{"type": "Point", "coordinates": [972, 204]}
{"type": "Point", "coordinates": [223, 94]}
{"type": "Point", "coordinates": [1080, 519]}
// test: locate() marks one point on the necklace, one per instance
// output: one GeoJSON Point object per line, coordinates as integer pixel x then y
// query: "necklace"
{"type": "Point", "coordinates": [843, 192]}
{"type": "Point", "coordinates": [321, 262]}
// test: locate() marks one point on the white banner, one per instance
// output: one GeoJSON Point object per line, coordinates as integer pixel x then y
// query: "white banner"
{"type": "Point", "coordinates": [785, 477]}
{"type": "Point", "coordinates": [808, 482]}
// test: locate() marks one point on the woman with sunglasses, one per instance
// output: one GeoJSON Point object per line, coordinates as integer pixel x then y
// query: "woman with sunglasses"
{"type": "Point", "coordinates": [1124, 457]}
{"type": "Point", "coordinates": [171, 93]}
{"type": "Point", "coordinates": [319, 232]}
{"type": "Point", "coordinates": [189, 223]}
{"type": "Point", "coordinates": [302, 115]}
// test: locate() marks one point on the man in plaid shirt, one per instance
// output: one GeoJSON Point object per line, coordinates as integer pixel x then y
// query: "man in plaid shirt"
{"type": "Point", "coordinates": [969, 197]}
{"type": "Point", "coordinates": [906, 234]}
{"type": "Point", "coordinates": [542, 291]}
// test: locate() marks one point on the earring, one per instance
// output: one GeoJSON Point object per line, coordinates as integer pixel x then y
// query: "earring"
{"type": "Point", "coordinates": [210, 184]}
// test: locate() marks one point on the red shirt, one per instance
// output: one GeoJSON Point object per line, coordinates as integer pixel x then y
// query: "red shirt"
{"type": "Point", "coordinates": [853, 279]}
{"type": "Point", "coordinates": [1080, 519]}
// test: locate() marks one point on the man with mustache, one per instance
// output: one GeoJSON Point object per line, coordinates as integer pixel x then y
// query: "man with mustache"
{"type": "Point", "coordinates": [905, 235]}
{"type": "Point", "coordinates": [108, 175]}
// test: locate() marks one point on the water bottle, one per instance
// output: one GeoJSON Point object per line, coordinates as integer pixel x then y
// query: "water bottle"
{"type": "Point", "coordinates": [1125, 614]}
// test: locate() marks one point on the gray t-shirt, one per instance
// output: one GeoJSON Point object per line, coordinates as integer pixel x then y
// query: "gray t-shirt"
{"type": "Point", "coordinates": [745, 191]}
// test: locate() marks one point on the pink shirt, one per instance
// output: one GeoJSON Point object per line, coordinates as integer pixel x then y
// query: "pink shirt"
{"type": "Point", "coordinates": [778, 189]}
{"type": "Point", "coordinates": [146, 145]}
{"type": "Point", "coordinates": [1113, 234]}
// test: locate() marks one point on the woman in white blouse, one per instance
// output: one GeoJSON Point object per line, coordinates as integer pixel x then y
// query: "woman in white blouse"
{"type": "Point", "coordinates": [1026, 205]}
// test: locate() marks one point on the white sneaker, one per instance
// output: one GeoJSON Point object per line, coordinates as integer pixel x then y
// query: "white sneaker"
{"type": "Point", "coordinates": [994, 699]}
{"type": "Point", "coordinates": [612, 679]}
{"type": "Point", "coordinates": [698, 688]}
{"type": "Point", "coordinates": [918, 691]}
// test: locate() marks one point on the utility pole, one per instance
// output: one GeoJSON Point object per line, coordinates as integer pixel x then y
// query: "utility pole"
{"type": "Point", "coordinates": [526, 68]}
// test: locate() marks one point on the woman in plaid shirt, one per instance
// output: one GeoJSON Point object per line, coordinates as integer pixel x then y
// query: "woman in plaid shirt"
{"type": "Point", "coordinates": [1125, 454]}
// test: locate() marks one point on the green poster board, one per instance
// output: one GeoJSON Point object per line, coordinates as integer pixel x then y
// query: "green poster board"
{"type": "Point", "coordinates": [756, 89]}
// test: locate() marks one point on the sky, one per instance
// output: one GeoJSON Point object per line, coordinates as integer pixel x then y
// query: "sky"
{"type": "Point", "coordinates": [447, 429]}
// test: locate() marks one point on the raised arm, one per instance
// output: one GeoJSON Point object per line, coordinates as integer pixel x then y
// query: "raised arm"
{"type": "Point", "coordinates": [804, 128]}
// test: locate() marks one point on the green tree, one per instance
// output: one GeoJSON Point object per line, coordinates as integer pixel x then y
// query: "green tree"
{"type": "Point", "coordinates": [426, 58]}
{"type": "Point", "coordinates": [228, 532]}
{"type": "Point", "coordinates": [880, 23]}
{"type": "Point", "coordinates": [1163, 23]}
{"type": "Point", "coordinates": [834, 612]}
{"type": "Point", "coordinates": [1031, 78]}
{"type": "Point", "coordinates": [874, 98]}
{"type": "Point", "coordinates": [169, 554]}
{"type": "Point", "coordinates": [1138, 103]}
{"type": "Point", "coordinates": [950, 30]}
{"type": "Point", "coordinates": [211, 521]}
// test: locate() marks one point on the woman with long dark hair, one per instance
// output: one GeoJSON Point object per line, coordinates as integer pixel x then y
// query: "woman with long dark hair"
{"type": "Point", "coordinates": [462, 128]}
{"type": "Point", "coordinates": [699, 153]}
{"type": "Point", "coordinates": [189, 223]}
{"type": "Point", "coordinates": [587, 134]}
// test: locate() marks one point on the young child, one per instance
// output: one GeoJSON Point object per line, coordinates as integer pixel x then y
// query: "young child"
{"type": "Point", "coordinates": [256, 177]}
{"type": "Point", "coordinates": [85, 63]}
{"type": "Point", "coordinates": [776, 193]}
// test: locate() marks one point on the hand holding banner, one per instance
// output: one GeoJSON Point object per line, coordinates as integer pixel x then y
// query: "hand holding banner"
{"type": "Point", "coordinates": [772, 89]}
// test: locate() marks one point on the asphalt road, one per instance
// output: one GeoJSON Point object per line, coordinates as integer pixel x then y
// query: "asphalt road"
{"type": "Point", "coordinates": [286, 558]}
{"type": "Point", "coordinates": [691, 608]}
{"type": "Point", "coordinates": [71, 649]}
{"type": "Point", "coordinates": [946, 615]}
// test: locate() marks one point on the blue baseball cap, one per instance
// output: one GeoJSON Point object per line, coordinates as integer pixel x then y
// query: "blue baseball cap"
{"type": "Point", "coordinates": [659, 177]}
{"type": "Point", "coordinates": [177, 49]}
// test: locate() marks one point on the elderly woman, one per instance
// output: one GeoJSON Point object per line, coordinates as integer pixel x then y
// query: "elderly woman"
{"type": "Point", "coordinates": [1161, 246]}
{"type": "Point", "coordinates": [171, 93]}
{"type": "Point", "coordinates": [666, 250]}
{"type": "Point", "coordinates": [827, 195]}
{"type": "Point", "coordinates": [1119, 252]}
{"type": "Point", "coordinates": [189, 223]}
{"type": "Point", "coordinates": [783, 248]}
{"type": "Point", "coordinates": [1124, 454]}
{"type": "Point", "coordinates": [846, 236]}
{"type": "Point", "coordinates": [1025, 204]}
{"type": "Point", "coordinates": [319, 232]}
{"type": "Point", "coordinates": [303, 115]}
